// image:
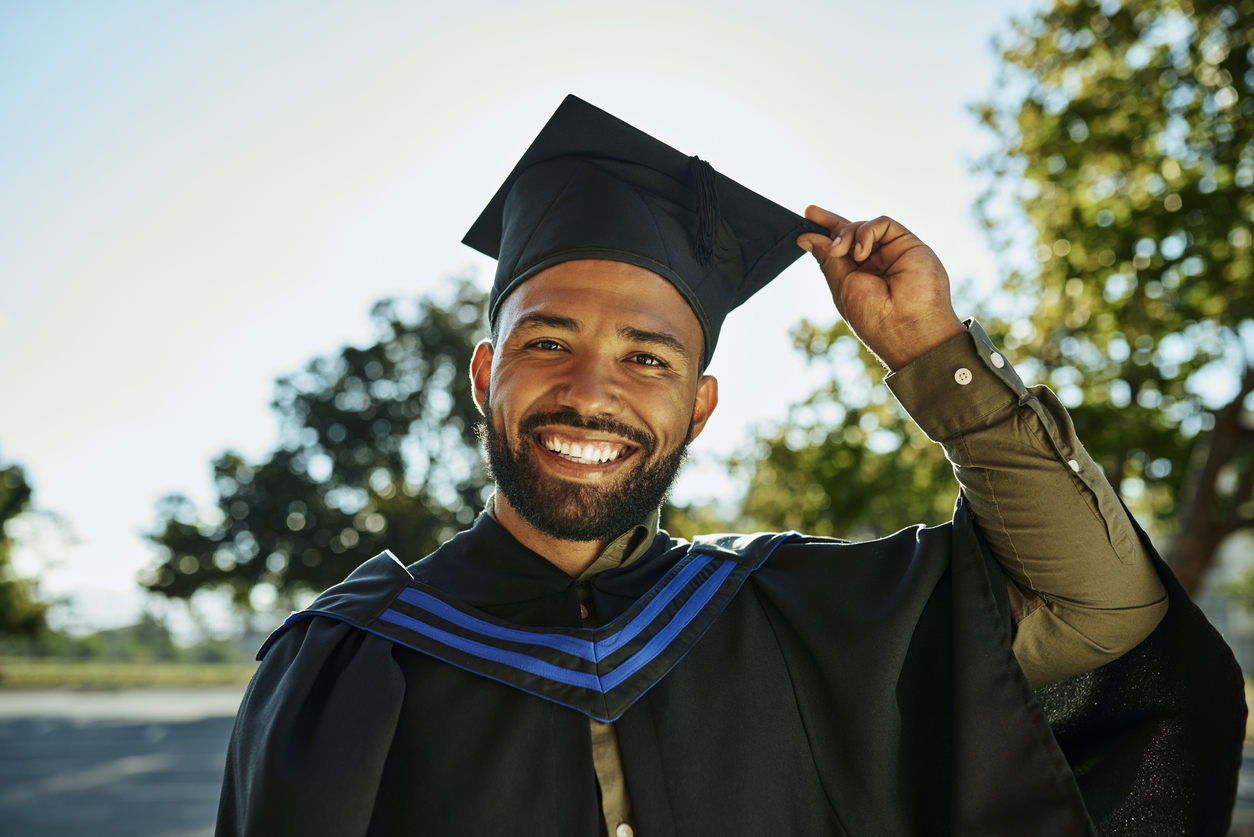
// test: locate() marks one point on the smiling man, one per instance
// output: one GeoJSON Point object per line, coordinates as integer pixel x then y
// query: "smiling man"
{"type": "Point", "coordinates": [565, 667]}
{"type": "Point", "coordinates": [577, 468]}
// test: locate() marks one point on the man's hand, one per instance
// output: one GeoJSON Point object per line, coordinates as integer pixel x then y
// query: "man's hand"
{"type": "Point", "coordinates": [887, 285]}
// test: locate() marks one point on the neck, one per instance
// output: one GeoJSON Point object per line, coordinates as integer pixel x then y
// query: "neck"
{"type": "Point", "coordinates": [571, 557]}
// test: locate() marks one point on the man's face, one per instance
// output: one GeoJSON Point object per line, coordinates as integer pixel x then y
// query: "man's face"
{"type": "Point", "coordinates": [591, 396]}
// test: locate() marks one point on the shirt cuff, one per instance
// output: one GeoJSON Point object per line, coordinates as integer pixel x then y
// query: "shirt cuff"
{"type": "Point", "coordinates": [957, 384]}
{"type": "Point", "coordinates": [953, 389]}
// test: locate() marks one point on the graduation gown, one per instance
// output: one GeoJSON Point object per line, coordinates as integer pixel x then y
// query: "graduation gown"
{"type": "Point", "coordinates": [759, 685]}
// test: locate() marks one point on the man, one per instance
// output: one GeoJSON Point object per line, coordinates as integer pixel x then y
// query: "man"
{"type": "Point", "coordinates": [563, 667]}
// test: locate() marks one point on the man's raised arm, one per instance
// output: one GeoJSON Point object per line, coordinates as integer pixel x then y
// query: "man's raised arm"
{"type": "Point", "coordinates": [1082, 588]}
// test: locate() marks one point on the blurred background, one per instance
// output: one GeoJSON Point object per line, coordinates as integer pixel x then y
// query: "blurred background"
{"type": "Point", "coordinates": [236, 317]}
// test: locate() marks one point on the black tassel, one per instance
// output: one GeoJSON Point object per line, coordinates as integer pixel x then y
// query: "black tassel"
{"type": "Point", "coordinates": [708, 211]}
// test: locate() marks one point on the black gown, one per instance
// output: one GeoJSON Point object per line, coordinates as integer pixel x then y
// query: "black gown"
{"type": "Point", "coordinates": [760, 685]}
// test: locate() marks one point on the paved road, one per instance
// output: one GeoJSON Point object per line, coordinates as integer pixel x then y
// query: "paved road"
{"type": "Point", "coordinates": [131, 763]}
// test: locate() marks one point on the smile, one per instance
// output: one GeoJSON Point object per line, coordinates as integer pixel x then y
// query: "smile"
{"type": "Point", "coordinates": [586, 451]}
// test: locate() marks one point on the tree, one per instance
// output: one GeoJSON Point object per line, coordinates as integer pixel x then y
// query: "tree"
{"type": "Point", "coordinates": [1126, 143]}
{"type": "Point", "coordinates": [1124, 165]}
{"type": "Point", "coordinates": [21, 613]}
{"type": "Point", "coordinates": [377, 451]}
{"type": "Point", "coordinates": [847, 462]}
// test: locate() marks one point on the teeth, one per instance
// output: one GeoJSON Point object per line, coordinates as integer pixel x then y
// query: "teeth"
{"type": "Point", "coordinates": [587, 453]}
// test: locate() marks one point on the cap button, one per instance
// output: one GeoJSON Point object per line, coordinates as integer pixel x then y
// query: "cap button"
{"type": "Point", "coordinates": [1075, 466]}
{"type": "Point", "coordinates": [998, 360]}
{"type": "Point", "coordinates": [583, 611]}
{"type": "Point", "coordinates": [623, 830]}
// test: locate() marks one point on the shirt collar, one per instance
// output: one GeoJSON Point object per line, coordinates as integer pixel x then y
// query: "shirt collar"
{"type": "Point", "coordinates": [619, 552]}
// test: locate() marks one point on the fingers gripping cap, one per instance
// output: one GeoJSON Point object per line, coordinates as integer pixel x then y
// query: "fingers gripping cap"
{"type": "Point", "coordinates": [593, 187]}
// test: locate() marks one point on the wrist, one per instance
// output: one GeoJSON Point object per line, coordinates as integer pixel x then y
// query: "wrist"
{"type": "Point", "coordinates": [919, 341]}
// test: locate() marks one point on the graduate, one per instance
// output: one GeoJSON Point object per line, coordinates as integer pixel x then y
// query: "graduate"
{"type": "Point", "coordinates": [565, 667]}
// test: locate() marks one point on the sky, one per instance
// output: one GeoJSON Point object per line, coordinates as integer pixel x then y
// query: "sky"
{"type": "Point", "coordinates": [197, 197]}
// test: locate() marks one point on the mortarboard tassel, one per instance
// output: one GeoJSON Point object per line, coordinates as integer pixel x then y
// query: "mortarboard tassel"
{"type": "Point", "coordinates": [708, 210]}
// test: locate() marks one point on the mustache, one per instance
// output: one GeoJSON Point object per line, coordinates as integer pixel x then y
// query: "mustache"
{"type": "Point", "coordinates": [602, 424]}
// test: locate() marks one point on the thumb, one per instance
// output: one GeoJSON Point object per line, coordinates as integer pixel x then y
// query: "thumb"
{"type": "Point", "coordinates": [816, 244]}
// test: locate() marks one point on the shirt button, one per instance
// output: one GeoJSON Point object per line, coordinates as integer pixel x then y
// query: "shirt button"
{"type": "Point", "coordinates": [583, 611]}
{"type": "Point", "coordinates": [1075, 466]}
{"type": "Point", "coordinates": [998, 360]}
{"type": "Point", "coordinates": [623, 830]}
{"type": "Point", "coordinates": [963, 376]}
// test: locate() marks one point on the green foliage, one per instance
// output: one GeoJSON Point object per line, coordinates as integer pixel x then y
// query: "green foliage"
{"type": "Point", "coordinates": [688, 521]}
{"type": "Point", "coordinates": [1127, 144]}
{"type": "Point", "coordinates": [847, 462]}
{"type": "Point", "coordinates": [378, 451]}
{"type": "Point", "coordinates": [1125, 168]}
{"type": "Point", "coordinates": [1239, 589]}
{"type": "Point", "coordinates": [21, 613]}
{"type": "Point", "coordinates": [147, 641]}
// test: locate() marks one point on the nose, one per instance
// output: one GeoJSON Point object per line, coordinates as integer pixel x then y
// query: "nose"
{"type": "Point", "coordinates": [589, 388]}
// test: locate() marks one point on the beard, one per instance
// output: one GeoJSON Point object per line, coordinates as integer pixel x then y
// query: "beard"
{"type": "Point", "coordinates": [578, 511]}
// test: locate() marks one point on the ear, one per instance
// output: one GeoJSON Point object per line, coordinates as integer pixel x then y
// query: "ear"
{"type": "Point", "coordinates": [706, 401]}
{"type": "Point", "coordinates": [481, 372]}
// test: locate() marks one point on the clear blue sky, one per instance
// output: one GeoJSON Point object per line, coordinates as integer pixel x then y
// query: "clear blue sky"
{"type": "Point", "coordinates": [200, 196]}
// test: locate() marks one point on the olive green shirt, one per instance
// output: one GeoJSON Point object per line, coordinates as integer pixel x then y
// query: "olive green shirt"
{"type": "Point", "coordinates": [1082, 589]}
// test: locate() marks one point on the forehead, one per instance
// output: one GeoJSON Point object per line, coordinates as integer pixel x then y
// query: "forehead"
{"type": "Point", "coordinates": [601, 293]}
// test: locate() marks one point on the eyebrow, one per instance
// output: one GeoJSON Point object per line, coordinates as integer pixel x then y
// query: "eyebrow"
{"type": "Point", "coordinates": [534, 321]}
{"type": "Point", "coordinates": [655, 338]}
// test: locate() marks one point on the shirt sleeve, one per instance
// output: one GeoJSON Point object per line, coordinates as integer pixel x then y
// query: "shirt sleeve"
{"type": "Point", "coordinates": [1082, 589]}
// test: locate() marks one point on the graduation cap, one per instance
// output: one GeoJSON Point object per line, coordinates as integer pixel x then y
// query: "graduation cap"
{"type": "Point", "coordinates": [593, 187]}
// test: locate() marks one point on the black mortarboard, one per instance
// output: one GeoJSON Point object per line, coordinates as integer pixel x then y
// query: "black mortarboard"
{"type": "Point", "coordinates": [593, 187]}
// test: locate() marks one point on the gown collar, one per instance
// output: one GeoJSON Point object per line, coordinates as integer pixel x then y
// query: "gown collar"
{"type": "Point", "coordinates": [487, 568]}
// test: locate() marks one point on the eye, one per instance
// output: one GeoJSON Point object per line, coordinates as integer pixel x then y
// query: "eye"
{"type": "Point", "coordinates": [547, 345]}
{"type": "Point", "coordinates": [644, 359]}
